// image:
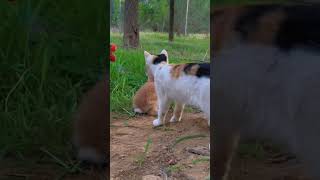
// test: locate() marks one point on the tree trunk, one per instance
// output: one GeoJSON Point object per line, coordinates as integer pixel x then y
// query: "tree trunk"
{"type": "Point", "coordinates": [186, 25]}
{"type": "Point", "coordinates": [171, 20]}
{"type": "Point", "coordinates": [112, 18]}
{"type": "Point", "coordinates": [112, 9]}
{"type": "Point", "coordinates": [131, 26]}
{"type": "Point", "coordinates": [120, 22]}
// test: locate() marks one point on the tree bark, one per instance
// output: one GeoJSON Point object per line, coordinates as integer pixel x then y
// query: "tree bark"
{"type": "Point", "coordinates": [171, 20]}
{"type": "Point", "coordinates": [112, 13]}
{"type": "Point", "coordinates": [131, 26]}
{"type": "Point", "coordinates": [186, 25]}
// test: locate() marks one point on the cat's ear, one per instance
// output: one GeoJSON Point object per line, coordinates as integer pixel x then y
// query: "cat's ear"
{"type": "Point", "coordinates": [146, 55]}
{"type": "Point", "coordinates": [164, 52]}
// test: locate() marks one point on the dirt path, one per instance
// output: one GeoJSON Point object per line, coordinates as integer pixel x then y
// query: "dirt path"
{"type": "Point", "coordinates": [128, 138]}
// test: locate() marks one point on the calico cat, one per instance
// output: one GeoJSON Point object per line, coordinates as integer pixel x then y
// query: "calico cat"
{"type": "Point", "coordinates": [145, 99]}
{"type": "Point", "coordinates": [182, 83]}
{"type": "Point", "coordinates": [91, 127]}
{"type": "Point", "coordinates": [266, 61]}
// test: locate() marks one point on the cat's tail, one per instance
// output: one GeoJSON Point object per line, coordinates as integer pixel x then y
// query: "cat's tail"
{"type": "Point", "coordinates": [90, 156]}
{"type": "Point", "coordinates": [88, 151]}
{"type": "Point", "coordinates": [137, 110]}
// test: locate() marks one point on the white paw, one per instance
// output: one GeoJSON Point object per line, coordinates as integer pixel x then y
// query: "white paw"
{"type": "Point", "coordinates": [137, 110]}
{"type": "Point", "coordinates": [173, 119]}
{"type": "Point", "coordinates": [157, 122]}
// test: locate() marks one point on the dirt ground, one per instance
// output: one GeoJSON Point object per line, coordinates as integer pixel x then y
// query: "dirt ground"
{"type": "Point", "coordinates": [128, 139]}
{"type": "Point", "coordinates": [129, 136]}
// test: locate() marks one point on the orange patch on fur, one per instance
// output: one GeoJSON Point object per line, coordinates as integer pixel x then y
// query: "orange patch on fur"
{"type": "Point", "coordinates": [177, 70]}
{"type": "Point", "coordinates": [146, 99]}
{"type": "Point", "coordinates": [193, 70]}
{"type": "Point", "coordinates": [267, 27]}
{"type": "Point", "coordinates": [224, 19]}
{"type": "Point", "coordinates": [223, 22]}
{"type": "Point", "coordinates": [149, 74]}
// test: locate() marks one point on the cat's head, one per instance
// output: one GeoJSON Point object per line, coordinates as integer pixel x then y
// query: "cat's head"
{"type": "Point", "coordinates": [152, 60]}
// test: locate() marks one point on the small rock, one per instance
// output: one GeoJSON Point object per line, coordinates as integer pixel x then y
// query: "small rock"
{"type": "Point", "coordinates": [151, 177]}
{"type": "Point", "coordinates": [204, 151]}
{"type": "Point", "coordinates": [172, 162]}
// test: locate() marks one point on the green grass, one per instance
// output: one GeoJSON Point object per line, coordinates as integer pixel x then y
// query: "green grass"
{"type": "Point", "coordinates": [188, 137]}
{"type": "Point", "coordinates": [141, 157]}
{"type": "Point", "coordinates": [128, 72]}
{"type": "Point", "coordinates": [200, 160]}
{"type": "Point", "coordinates": [236, 2]}
{"type": "Point", "coordinates": [69, 167]}
{"type": "Point", "coordinates": [50, 54]}
{"type": "Point", "coordinates": [252, 150]}
{"type": "Point", "coordinates": [175, 168]}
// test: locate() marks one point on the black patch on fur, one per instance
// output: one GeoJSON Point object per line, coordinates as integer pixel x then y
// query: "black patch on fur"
{"type": "Point", "coordinates": [301, 28]}
{"type": "Point", "coordinates": [203, 71]}
{"type": "Point", "coordinates": [160, 58]}
{"type": "Point", "coordinates": [247, 22]}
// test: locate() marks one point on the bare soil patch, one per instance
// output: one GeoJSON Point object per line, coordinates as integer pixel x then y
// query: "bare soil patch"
{"type": "Point", "coordinates": [129, 137]}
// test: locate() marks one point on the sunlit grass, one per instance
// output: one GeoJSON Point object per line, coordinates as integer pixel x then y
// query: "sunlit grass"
{"type": "Point", "coordinates": [128, 72]}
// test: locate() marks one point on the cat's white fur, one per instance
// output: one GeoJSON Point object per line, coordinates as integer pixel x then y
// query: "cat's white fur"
{"type": "Point", "coordinates": [186, 89]}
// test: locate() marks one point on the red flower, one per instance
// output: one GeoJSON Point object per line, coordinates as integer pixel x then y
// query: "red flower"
{"type": "Point", "coordinates": [113, 48]}
{"type": "Point", "coordinates": [112, 58]}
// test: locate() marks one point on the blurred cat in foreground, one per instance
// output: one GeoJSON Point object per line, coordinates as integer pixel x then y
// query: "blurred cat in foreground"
{"type": "Point", "coordinates": [266, 61]}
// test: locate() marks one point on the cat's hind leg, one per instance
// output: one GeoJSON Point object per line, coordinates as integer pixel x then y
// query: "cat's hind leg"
{"type": "Point", "coordinates": [177, 113]}
{"type": "Point", "coordinates": [163, 109]}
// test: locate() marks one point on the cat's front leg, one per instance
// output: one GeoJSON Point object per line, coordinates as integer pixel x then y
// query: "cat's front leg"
{"type": "Point", "coordinates": [177, 113]}
{"type": "Point", "coordinates": [163, 109]}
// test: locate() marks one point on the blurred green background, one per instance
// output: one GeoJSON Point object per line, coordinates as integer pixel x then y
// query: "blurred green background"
{"type": "Point", "coordinates": [50, 53]}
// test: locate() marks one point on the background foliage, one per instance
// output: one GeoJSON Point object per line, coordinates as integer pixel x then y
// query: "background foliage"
{"type": "Point", "coordinates": [154, 15]}
{"type": "Point", "coordinates": [50, 53]}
